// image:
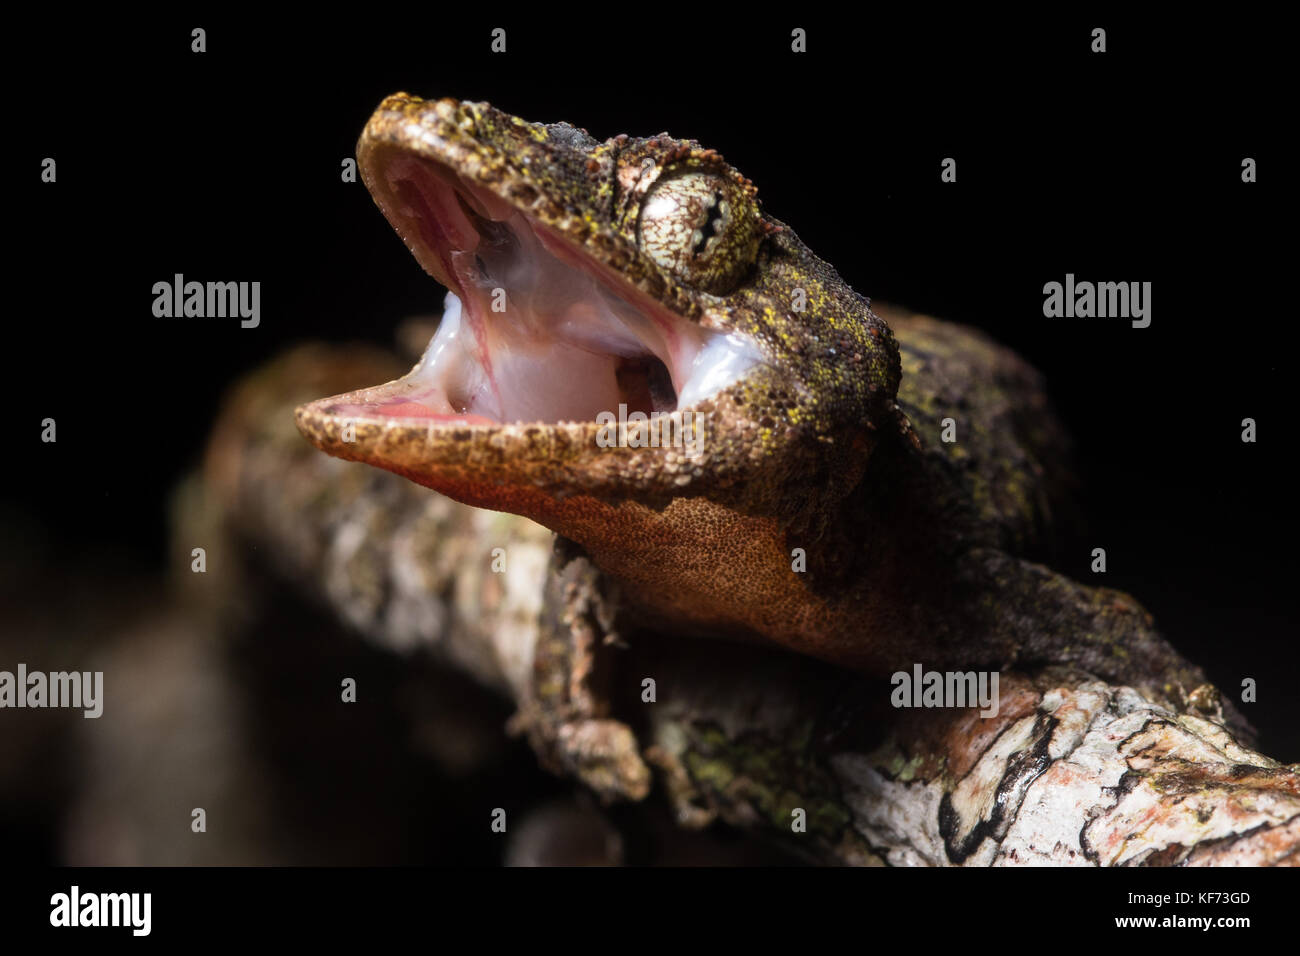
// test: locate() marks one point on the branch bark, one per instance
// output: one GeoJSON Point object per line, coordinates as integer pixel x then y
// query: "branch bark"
{"type": "Point", "coordinates": [1071, 771]}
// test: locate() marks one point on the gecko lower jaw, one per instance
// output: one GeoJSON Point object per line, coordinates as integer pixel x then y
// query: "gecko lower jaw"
{"type": "Point", "coordinates": [532, 331]}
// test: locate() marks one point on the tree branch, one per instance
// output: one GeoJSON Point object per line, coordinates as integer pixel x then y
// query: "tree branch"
{"type": "Point", "coordinates": [1071, 770]}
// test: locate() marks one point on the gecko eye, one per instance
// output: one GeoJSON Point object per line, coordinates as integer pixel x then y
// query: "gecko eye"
{"type": "Point", "coordinates": [701, 227]}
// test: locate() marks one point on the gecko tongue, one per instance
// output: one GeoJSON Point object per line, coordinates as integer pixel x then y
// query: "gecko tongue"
{"type": "Point", "coordinates": [532, 331]}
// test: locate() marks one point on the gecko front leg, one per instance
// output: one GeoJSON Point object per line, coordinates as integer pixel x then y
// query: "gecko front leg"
{"type": "Point", "coordinates": [566, 713]}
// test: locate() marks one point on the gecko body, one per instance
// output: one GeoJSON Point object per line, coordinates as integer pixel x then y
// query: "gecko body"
{"type": "Point", "coordinates": [823, 512]}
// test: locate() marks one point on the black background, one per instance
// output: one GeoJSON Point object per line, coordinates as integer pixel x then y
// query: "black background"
{"type": "Point", "coordinates": [1122, 166]}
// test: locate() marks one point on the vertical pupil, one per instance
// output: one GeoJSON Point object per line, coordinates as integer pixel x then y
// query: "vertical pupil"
{"type": "Point", "coordinates": [711, 225]}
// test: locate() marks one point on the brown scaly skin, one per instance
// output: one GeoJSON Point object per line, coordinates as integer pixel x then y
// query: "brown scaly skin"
{"type": "Point", "coordinates": [831, 445]}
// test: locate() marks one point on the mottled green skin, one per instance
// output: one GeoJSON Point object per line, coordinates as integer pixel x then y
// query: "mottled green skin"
{"type": "Point", "coordinates": [831, 445]}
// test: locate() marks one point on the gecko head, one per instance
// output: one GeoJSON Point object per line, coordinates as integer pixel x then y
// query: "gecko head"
{"type": "Point", "coordinates": [622, 324]}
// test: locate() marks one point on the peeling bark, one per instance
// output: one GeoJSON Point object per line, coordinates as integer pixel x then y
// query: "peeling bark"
{"type": "Point", "coordinates": [1071, 771]}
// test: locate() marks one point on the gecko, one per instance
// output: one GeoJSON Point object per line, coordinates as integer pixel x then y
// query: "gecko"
{"type": "Point", "coordinates": [822, 511]}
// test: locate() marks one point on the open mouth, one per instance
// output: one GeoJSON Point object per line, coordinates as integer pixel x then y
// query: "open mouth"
{"type": "Point", "coordinates": [534, 329]}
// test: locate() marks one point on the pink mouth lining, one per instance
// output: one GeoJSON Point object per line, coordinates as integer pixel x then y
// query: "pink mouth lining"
{"type": "Point", "coordinates": [575, 338]}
